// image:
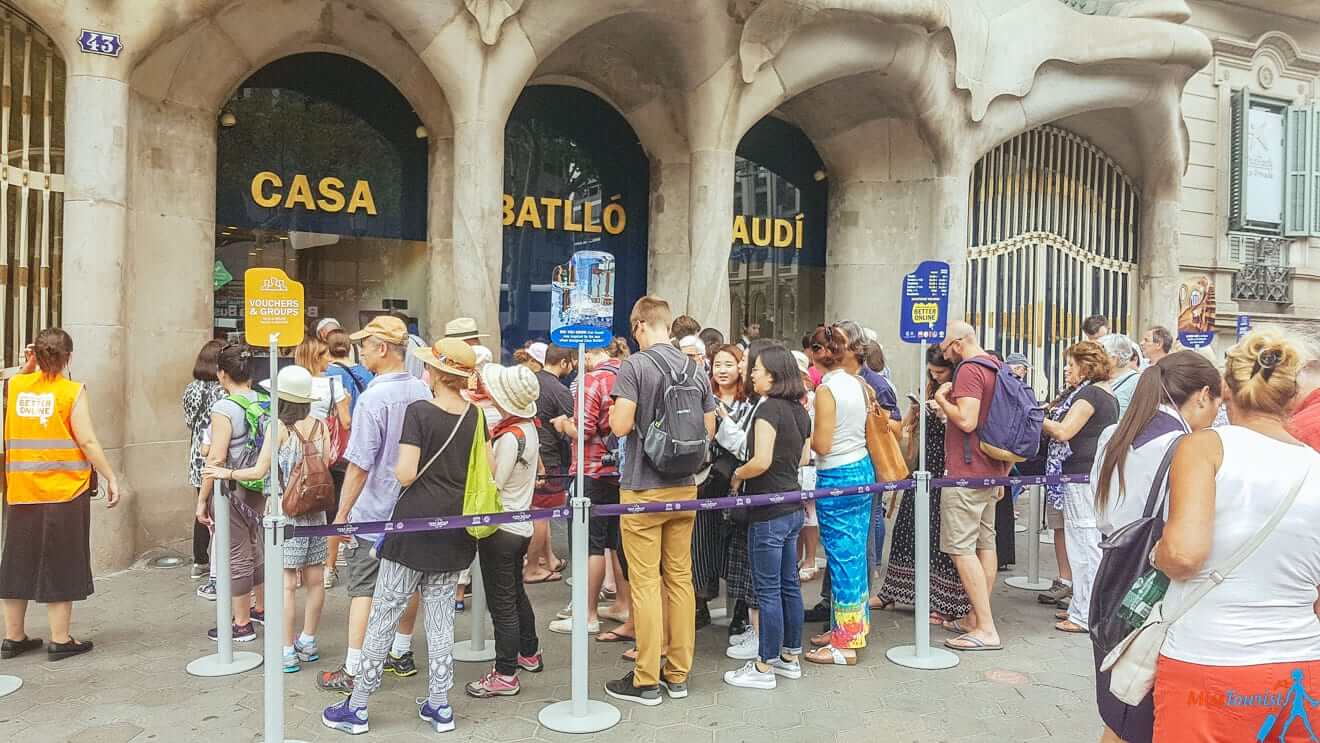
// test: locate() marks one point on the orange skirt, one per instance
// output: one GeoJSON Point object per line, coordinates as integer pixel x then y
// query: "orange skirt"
{"type": "Point", "coordinates": [1236, 704]}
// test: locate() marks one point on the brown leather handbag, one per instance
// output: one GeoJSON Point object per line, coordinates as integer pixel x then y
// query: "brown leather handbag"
{"type": "Point", "coordinates": [886, 456]}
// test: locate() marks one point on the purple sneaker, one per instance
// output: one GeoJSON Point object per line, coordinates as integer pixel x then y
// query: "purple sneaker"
{"type": "Point", "coordinates": [258, 617]}
{"type": "Point", "coordinates": [441, 718]}
{"type": "Point", "coordinates": [246, 633]}
{"type": "Point", "coordinates": [345, 719]}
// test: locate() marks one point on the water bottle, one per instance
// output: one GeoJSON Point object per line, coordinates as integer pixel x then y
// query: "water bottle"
{"type": "Point", "coordinates": [1145, 592]}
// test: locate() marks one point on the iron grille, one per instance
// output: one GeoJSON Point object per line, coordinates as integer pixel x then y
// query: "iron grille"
{"type": "Point", "coordinates": [1258, 282]}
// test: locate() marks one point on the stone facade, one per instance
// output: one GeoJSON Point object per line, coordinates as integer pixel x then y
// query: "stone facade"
{"type": "Point", "coordinates": [901, 100]}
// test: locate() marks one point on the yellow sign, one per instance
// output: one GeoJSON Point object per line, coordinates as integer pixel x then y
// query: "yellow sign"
{"type": "Point", "coordinates": [764, 232]}
{"type": "Point", "coordinates": [272, 306]}
{"type": "Point", "coordinates": [267, 191]}
{"type": "Point", "coordinates": [548, 213]}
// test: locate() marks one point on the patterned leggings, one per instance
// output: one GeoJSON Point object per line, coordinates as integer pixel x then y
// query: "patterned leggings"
{"type": "Point", "coordinates": [394, 586]}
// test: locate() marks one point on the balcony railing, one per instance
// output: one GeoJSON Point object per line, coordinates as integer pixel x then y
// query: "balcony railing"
{"type": "Point", "coordinates": [1258, 282]}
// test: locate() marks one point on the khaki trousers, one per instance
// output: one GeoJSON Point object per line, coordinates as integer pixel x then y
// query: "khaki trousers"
{"type": "Point", "coordinates": [659, 548]}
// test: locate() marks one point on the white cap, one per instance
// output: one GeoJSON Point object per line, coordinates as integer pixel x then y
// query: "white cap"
{"type": "Point", "coordinates": [537, 351]}
{"type": "Point", "coordinates": [692, 343]}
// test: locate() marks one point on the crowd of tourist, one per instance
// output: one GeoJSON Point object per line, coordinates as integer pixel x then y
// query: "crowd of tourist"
{"type": "Point", "coordinates": [378, 425]}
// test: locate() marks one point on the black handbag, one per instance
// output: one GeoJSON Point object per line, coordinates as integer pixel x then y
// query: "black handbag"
{"type": "Point", "coordinates": [1124, 560]}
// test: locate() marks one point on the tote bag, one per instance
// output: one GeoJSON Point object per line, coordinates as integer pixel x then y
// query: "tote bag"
{"type": "Point", "coordinates": [886, 456]}
{"type": "Point", "coordinates": [480, 495]}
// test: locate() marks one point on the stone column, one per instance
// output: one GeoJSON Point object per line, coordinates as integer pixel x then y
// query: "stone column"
{"type": "Point", "coordinates": [1157, 260]}
{"type": "Point", "coordinates": [95, 244]}
{"type": "Point", "coordinates": [473, 280]}
{"type": "Point", "coordinates": [710, 235]}
{"type": "Point", "coordinates": [444, 297]}
{"type": "Point", "coordinates": [669, 255]}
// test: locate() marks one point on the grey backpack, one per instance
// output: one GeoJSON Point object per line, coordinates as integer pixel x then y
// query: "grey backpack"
{"type": "Point", "coordinates": [676, 441]}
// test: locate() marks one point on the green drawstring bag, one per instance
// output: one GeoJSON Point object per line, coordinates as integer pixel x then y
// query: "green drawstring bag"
{"type": "Point", "coordinates": [480, 494]}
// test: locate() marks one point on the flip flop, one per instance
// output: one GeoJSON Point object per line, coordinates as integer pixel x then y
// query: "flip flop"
{"type": "Point", "coordinates": [830, 656]}
{"type": "Point", "coordinates": [559, 566]}
{"type": "Point", "coordinates": [1070, 628]}
{"type": "Point", "coordinates": [878, 604]}
{"type": "Point", "coordinates": [1061, 614]}
{"type": "Point", "coordinates": [821, 640]}
{"type": "Point", "coordinates": [613, 636]}
{"type": "Point", "coordinates": [550, 577]}
{"type": "Point", "coordinates": [630, 655]}
{"type": "Point", "coordinates": [956, 627]}
{"type": "Point", "coordinates": [976, 645]}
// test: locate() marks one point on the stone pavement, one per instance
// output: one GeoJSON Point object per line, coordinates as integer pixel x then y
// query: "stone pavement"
{"type": "Point", "coordinates": [148, 625]}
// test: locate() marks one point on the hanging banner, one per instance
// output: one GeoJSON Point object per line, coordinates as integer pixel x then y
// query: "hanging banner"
{"type": "Point", "coordinates": [272, 306]}
{"type": "Point", "coordinates": [925, 310]}
{"type": "Point", "coordinates": [1196, 313]}
{"type": "Point", "coordinates": [582, 300]}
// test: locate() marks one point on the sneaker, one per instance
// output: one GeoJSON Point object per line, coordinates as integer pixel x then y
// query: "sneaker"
{"type": "Point", "coordinates": [339, 680]}
{"type": "Point", "coordinates": [787, 669]}
{"type": "Point", "coordinates": [344, 718]}
{"type": "Point", "coordinates": [460, 605]}
{"type": "Point", "coordinates": [291, 664]}
{"type": "Point", "coordinates": [749, 677]}
{"type": "Point", "coordinates": [565, 627]}
{"type": "Point", "coordinates": [1057, 592]}
{"type": "Point", "coordinates": [200, 570]}
{"type": "Point", "coordinates": [565, 613]}
{"type": "Point", "coordinates": [748, 649]}
{"type": "Point", "coordinates": [245, 633]}
{"type": "Point", "coordinates": [331, 579]}
{"type": "Point", "coordinates": [531, 663]}
{"type": "Point", "coordinates": [441, 718]}
{"type": "Point", "coordinates": [493, 685]}
{"type": "Point", "coordinates": [258, 617]}
{"type": "Point", "coordinates": [307, 653]}
{"type": "Point", "coordinates": [675, 689]}
{"type": "Point", "coordinates": [403, 666]}
{"type": "Point", "coordinates": [207, 590]}
{"type": "Point", "coordinates": [341, 561]}
{"type": "Point", "coordinates": [623, 689]}
{"type": "Point", "coordinates": [739, 638]}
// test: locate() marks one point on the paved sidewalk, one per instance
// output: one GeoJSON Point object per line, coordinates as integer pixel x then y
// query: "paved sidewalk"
{"type": "Point", "coordinates": [148, 624]}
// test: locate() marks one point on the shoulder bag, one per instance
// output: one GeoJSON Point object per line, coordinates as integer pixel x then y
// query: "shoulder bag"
{"type": "Point", "coordinates": [881, 445]}
{"type": "Point", "coordinates": [1131, 665]}
{"type": "Point", "coordinates": [480, 494]}
{"type": "Point", "coordinates": [380, 543]}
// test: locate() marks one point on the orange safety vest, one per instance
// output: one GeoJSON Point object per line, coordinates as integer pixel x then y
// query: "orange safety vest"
{"type": "Point", "coordinates": [43, 463]}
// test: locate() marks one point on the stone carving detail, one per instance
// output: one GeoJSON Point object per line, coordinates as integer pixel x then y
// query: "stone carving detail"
{"type": "Point", "coordinates": [1165, 10]}
{"type": "Point", "coordinates": [491, 15]}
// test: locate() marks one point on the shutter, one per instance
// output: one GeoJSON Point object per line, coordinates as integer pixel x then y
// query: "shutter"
{"type": "Point", "coordinates": [1297, 159]}
{"type": "Point", "coordinates": [1237, 190]}
{"type": "Point", "coordinates": [1313, 195]}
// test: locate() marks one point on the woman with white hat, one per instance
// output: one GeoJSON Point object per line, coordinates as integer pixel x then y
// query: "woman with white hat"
{"type": "Point", "coordinates": [306, 554]}
{"type": "Point", "coordinates": [515, 451]}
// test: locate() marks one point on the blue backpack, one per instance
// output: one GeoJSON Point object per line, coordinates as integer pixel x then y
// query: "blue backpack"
{"type": "Point", "coordinates": [1012, 428]}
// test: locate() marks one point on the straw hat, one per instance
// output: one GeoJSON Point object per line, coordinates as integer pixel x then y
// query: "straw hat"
{"type": "Point", "coordinates": [513, 388]}
{"type": "Point", "coordinates": [295, 384]}
{"type": "Point", "coordinates": [384, 328]}
{"type": "Point", "coordinates": [463, 329]}
{"type": "Point", "coordinates": [449, 356]}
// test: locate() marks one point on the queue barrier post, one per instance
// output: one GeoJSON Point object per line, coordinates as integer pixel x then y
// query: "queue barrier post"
{"type": "Point", "coordinates": [920, 654]}
{"type": "Point", "coordinates": [1032, 580]}
{"type": "Point", "coordinates": [476, 649]}
{"type": "Point", "coordinates": [224, 662]}
{"type": "Point", "coordinates": [9, 685]}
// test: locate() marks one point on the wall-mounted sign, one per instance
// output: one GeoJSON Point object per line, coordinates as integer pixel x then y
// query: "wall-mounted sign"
{"type": "Point", "coordinates": [582, 300]}
{"type": "Point", "coordinates": [925, 309]}
{"type": "Point", "coordinates": [1196, 312]}
{"type": "Point", "coordinates": [268, 191]}
{"type": "Point", "coordinates": [100, 42]}
{"type": "Point", "coordinates": [547, 213]}
{"type": "Point", "coordinates": [273, 307]}
{"type": "Point", "coordinates": [764, 232]}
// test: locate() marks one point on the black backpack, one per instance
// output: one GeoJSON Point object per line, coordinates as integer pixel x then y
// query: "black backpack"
{"type": "Point", "coordinates": [676, 441]}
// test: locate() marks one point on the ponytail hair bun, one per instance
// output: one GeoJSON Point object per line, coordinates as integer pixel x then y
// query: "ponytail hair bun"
{"type": "Point", "coordinates": [53, 347]}
{"type": "Point", "coordinates": [1261, 371]}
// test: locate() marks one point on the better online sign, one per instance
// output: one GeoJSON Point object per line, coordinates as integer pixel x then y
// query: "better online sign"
{"type": "Point", "coordinates": [273, 305]}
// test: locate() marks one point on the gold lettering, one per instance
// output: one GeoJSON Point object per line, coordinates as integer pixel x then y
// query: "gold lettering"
{"type": "Point", "coordinates": [332, 194]}
{"type": "Point", "coordinates": [569, 224]}
{"type": "Point", "coordinates": [259, 183]}
{"type": "Point", "coordinates": [362, 199]}
{"type": "Point", "coordinates": [783, 233]}
{"type": "Point", "coordinates": [797, 229]}
{"type": "Point", "coordinates": [550, 204]}
{"type": "Point", "coordinates": [758, 239]}
{"type": "Point", "coordinates": [300, 192]}
{"type": "Point", "coordinates": [507, 202]}
{"type": "Point", "coordinates": [586, 218]}
{"type": "Point", "coordinates": [740, 230]}
{"type": "Point", "coordinates": [614, 218]}
{"type": "Point", "coordinates": [528, 213]}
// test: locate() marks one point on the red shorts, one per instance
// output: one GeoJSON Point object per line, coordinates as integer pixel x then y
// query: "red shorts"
{"type": "Point", "coordinates": [551, 495]}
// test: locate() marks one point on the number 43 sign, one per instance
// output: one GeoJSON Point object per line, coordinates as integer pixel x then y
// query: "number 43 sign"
{"type": "Point", "coordinates": [100, 42]}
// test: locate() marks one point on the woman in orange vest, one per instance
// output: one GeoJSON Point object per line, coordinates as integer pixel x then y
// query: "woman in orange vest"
{"type": "Point", "coordinates": [50, 453]}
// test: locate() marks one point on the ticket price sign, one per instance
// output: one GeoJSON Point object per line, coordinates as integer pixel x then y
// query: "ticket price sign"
{"type": "Point", "coordinates": [925, 310]}
{"type": "Point", "coordinates": [272, 308]}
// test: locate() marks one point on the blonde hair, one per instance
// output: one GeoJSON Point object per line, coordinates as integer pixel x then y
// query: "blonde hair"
{"type": "Point", "coordinates": [1261, 371]}
{"type": "Point", "coordinates": [653, 312]}
{"type": "Point", "coordinates": [308, 353]}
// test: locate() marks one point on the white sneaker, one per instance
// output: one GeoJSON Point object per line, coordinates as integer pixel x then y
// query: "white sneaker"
{"type": "Point", "coordinates": [565, 627]}
{"type": "Point", "coordinates": [565, 613]}
{"type": "Point", "coordinates": [748, 677]}
{"type": "Point", "coordinates": [740, 638]}
{"type": "Point", "coordinates": [748, 649]}
{"type": "Point", "coordinates": [781, 667]}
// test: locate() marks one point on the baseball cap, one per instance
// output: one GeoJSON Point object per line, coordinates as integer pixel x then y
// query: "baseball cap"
{"type": "Point", "coordinates": [384, 328]}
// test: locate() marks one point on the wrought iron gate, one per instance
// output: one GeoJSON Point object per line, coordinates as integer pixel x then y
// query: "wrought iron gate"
{"type": "Point", "coordinates": [1052, 240]}
{"type": "Point", "coordinates": [32, 80]}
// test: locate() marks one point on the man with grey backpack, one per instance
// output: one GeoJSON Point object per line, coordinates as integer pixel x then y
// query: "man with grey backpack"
{"type": "Point", "coordinates": [663, 405]}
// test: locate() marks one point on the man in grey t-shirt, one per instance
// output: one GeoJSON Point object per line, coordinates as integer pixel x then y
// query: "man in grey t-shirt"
{"type": "Point", "coordinates": [653, 540]}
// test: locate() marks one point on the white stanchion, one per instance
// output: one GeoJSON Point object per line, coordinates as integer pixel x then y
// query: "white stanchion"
{"type": "Point", "coordinates": [580, 714]}
{"type": "Point", "coordinates": [477, 649]}
{"type": "Point", "coordinates": [1032, 580]}
{"type": "Point", "coordinates": [920, 654]}
{"type": "Point", "coordinates": [224, 662]}
{"type": "Point", "coordinates": [9, 685]}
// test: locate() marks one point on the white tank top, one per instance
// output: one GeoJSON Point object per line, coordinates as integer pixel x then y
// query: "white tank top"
{"type": "Point", "coordinates": [849, 420]}
{"type": "Point", "coordinates": [1263, 612]}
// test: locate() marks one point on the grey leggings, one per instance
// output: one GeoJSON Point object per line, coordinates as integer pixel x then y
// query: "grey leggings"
{"type": "Point", "coordinates": [395, 584]}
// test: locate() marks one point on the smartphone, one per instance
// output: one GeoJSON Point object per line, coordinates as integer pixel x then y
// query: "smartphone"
{"type": "Point", "coordinates": [914, 400]}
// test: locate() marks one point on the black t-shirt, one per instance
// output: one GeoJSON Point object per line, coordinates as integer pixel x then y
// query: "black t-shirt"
{"type": "Point", "coordinates": [1084, 443]}
{"type": "Point", "coordinates": [792, 427]}
{"type": "Point", "coordinates": [555, 401]}
{"type": "Point", "coordinates": [437, 492]}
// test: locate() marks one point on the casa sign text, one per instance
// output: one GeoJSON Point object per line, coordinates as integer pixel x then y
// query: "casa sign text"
{"type": "Point", "coordinates": [327, 195]}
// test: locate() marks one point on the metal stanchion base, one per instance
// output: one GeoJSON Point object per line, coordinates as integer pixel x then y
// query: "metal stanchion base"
{"type": "Point", "coordinates": [9, 685]}
{"type": "Point", "coordinates": [1027, 584]}
{"type": "Point", "coordinates": [559, 717]}
{"type": "Point", "coordinates": [935, 659]}
{"type": "Point", "coordinates": [464, 652]}
{"type": "Point", "coordinates": [210, 666]}
{"type": "Point", "coordinates": [286, 740]}
{"type": "Point", "coordinates": [1047, 536]}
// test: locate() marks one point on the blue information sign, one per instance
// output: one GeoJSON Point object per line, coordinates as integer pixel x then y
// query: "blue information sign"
{"type": "Point", "coordinates": [100, 42]}
{"type": "Point", "coordinates": [925, 311]}
{"type": "Point", "coordinates": [1243, 326]}
{"type": "Point", "coordinates": [582, 300]}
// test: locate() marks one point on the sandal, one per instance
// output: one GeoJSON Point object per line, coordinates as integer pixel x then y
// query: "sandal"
{"type": "Point", "coordinates": [823, 639]}
{"type": "Point", "coordinates": [831, 656]}
{"type": "Point", "coordinates": [956, 627]}
{"type": "Point", "coordinates": [877, 603]}
{"type": "Point", "coordinates": [937, 619]}
{"type": "Point", "coordinates": [1061, 614]}
{"type": "Point", "coordinates": [613, 636]}
{"type": "Point", "coordinates": [553, 576]}
{"type": "Point", "coordinates": [630, 655]}
{"type": "Point", "coordinates": [1070, 628]}
{"type": "Point", "coordinates": [973, 644]}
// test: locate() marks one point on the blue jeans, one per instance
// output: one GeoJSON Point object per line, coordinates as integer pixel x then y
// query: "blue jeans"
{"type": "Point", "coordinates": [773, 548]}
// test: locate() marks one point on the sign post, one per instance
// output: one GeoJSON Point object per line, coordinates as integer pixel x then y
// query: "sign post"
{"type": "Point", "coordinates": [925, 316]}
{"type": "Point", "coordinates": [582, 315]}
{"type": "Point", "coordinates": [273, 312]}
